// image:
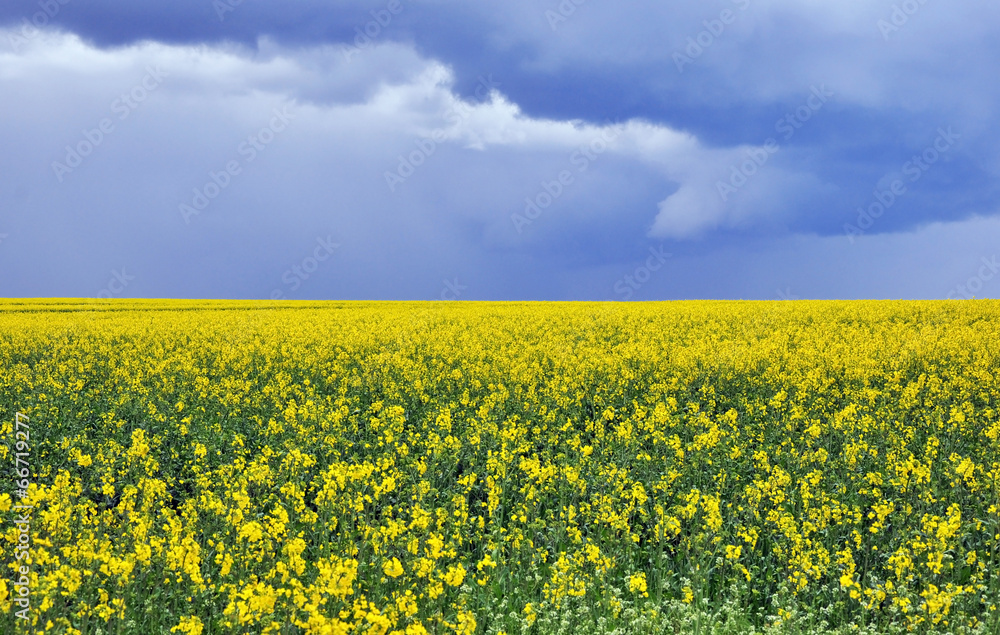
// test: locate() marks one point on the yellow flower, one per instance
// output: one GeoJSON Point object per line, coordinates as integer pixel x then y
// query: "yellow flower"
{"type": "Point", "coordinates": [189, 626]}
{"type": "Point", "coordinates": [487, 561]}
{"type": "Point", "coordinates": [393, 568]}
{"type": "Point", "coordinates": [637, 584]}
{"type": "Point", "coordinates": [407, 604]}
{"type": "Point", "coordinates": [466, 623]}
{"type": "Point", "coordinates": [455, 575]}
{"type": "Point", "coordinates": [529, 613]}
{"type": "Point", "coordinates": [252, 531]}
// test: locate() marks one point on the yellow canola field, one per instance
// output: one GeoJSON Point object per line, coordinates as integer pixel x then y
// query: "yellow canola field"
{"type": "Point", "coordinates": [408, 468]}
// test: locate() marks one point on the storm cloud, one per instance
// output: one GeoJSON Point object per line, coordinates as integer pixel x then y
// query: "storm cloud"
{"type": "Point", "coordinates": [448, 150]}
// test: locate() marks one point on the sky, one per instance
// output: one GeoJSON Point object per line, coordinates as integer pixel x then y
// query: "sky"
{"type": "Point", "coordinates": [524, 150]}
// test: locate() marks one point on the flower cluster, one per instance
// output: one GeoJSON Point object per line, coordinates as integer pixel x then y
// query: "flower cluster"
{"type": "Point", "coordinates": [407, 468]}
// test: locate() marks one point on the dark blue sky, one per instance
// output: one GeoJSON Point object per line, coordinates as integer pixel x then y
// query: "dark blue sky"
{"type": "Point", "coordinates": [529, 150]}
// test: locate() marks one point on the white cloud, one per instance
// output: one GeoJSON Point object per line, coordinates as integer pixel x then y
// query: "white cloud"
{"type": "Point", "coordinates": [350, 109]}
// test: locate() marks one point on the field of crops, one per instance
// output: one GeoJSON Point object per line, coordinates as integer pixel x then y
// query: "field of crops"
{"type": "Point", "coordinates": [409, 468]}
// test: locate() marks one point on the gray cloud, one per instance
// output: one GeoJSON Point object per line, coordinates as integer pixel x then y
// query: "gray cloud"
{"type": "Point", "coordinates": [108, 137]}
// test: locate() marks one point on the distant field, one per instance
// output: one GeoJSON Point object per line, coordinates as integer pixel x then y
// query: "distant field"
{"type": "Point", "coordinates": [406, 468]}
